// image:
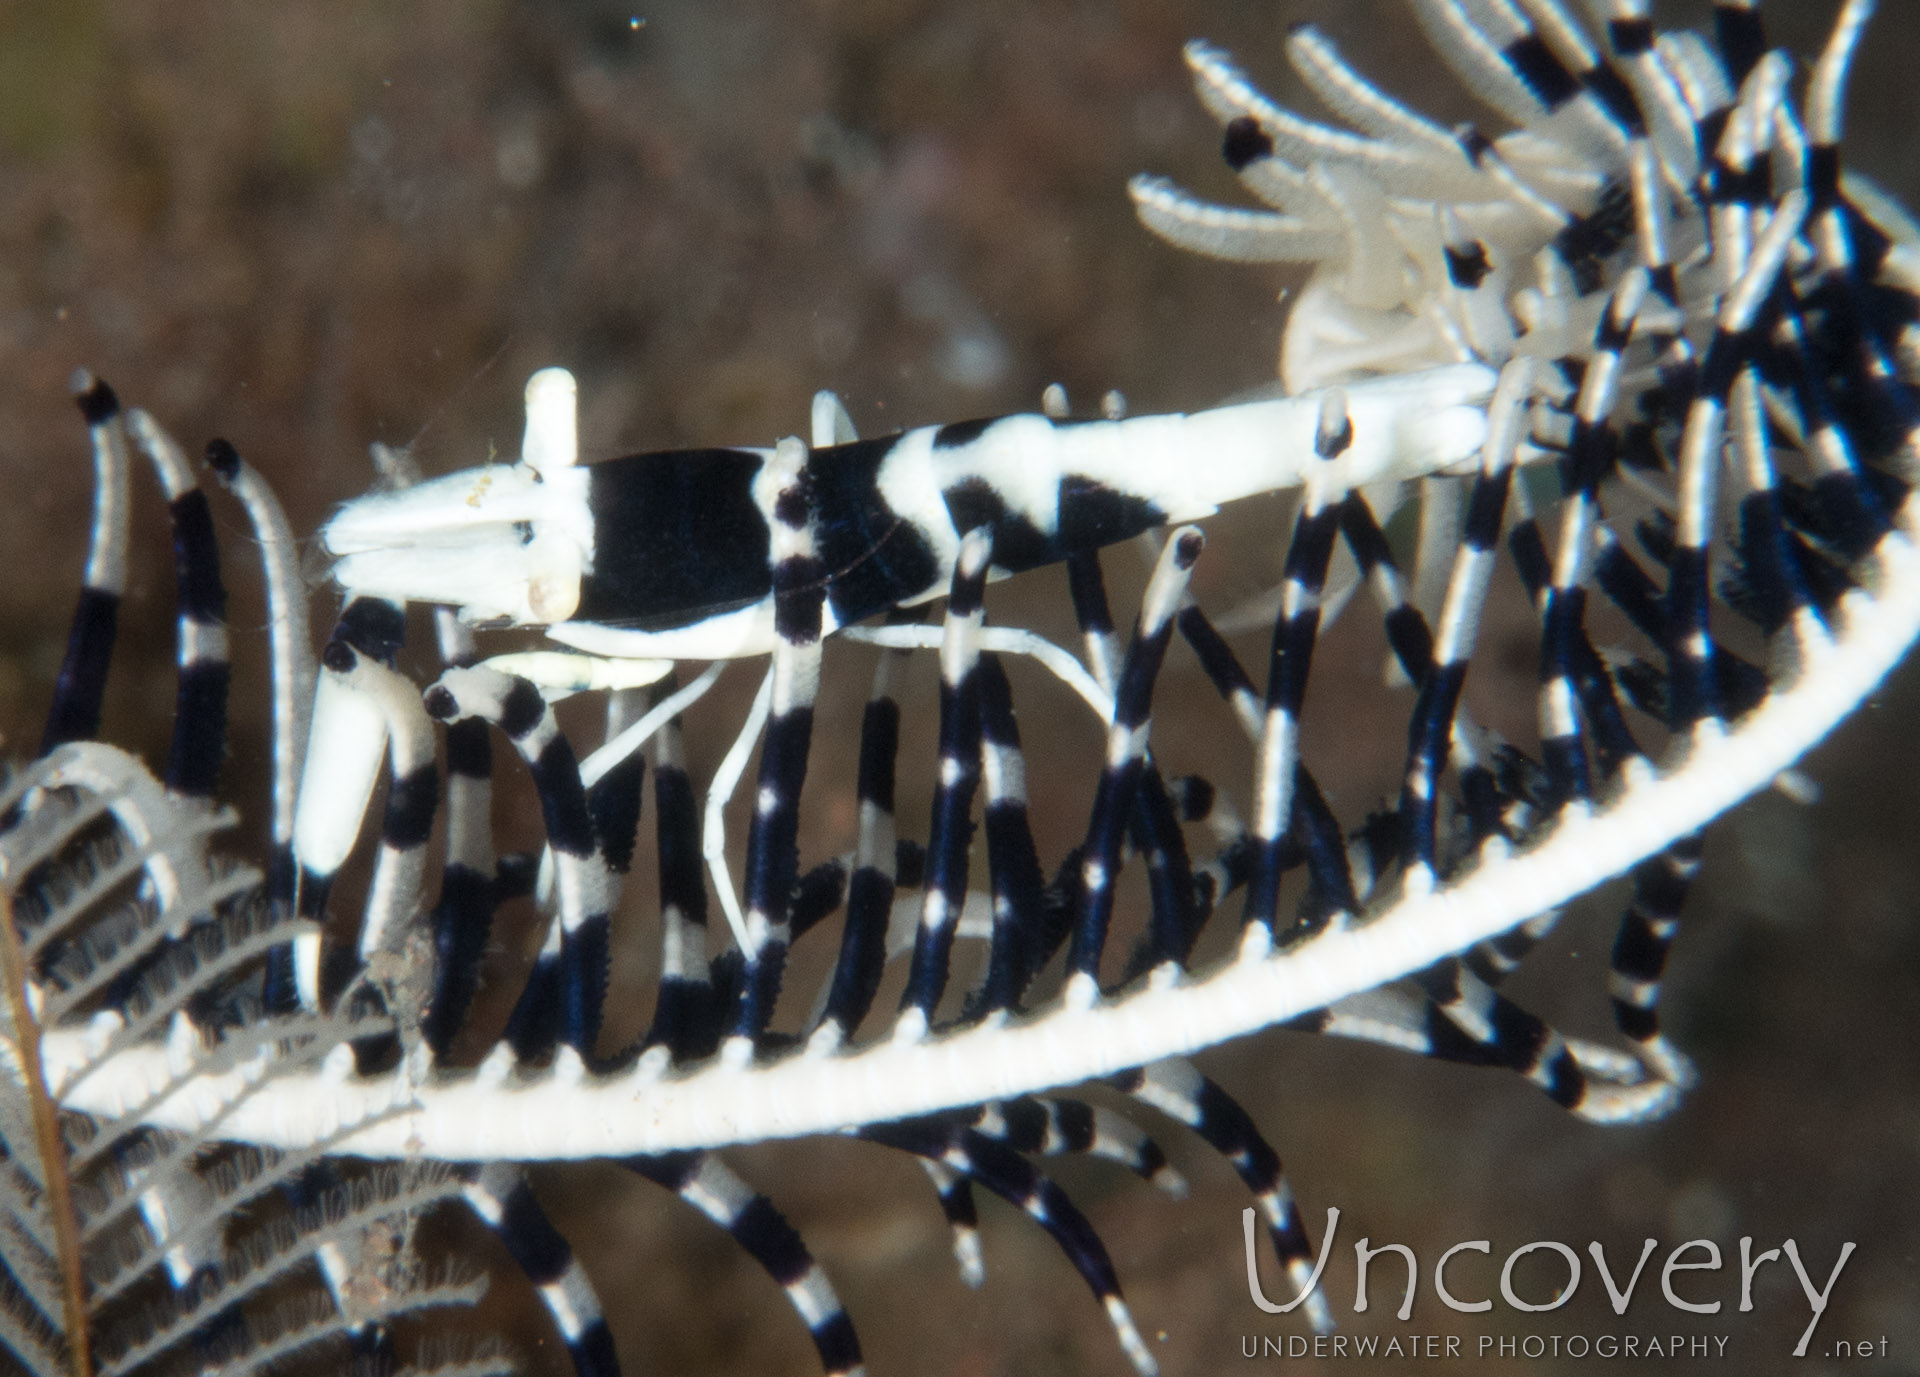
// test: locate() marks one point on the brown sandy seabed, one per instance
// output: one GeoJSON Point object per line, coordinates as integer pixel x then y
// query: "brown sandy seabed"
{"type": "Point", "coordinates": [308, 227]}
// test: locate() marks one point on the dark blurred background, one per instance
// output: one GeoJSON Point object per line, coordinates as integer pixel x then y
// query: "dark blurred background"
{"type": "Point", "coordinates": [306, 227]}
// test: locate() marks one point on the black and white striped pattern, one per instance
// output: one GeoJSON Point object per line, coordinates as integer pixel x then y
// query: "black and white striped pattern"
{"type": "Point", "coordinates": [1295, 630]}
{"type": "Point", "coordinates": [563, 997]}
{"type": "Point", "coordinates": [692, 991]}
{"type": "Point", "coordinates": [706, 1183]}
{"type": "Point", "coordinates": [1463, 1020]}
{"type": "Point", "coordinates": [1022, 935]}
{"type": "Point", "coordinates": [1570, 679]}
{"type": "Point", "coordinates": [413, 796]}
{"type": "Point", "coordinates": [1050, 1126]}
{"type": "Point", "coordinates": [946, 885]}
{"type": "Point", "coordinates": [1639, 958]}
{"type": "Point", "coordinates": [871, 883]}
{"type": "Point", "coordinates": [1178, 1090]}
{"type": "Point", "coordinates": [336, 784]}
{"type": "Point", "coordinates": [462, 919]}
{"type": "Point", "coordinates": [1695, 702]}
{"type": "Point", "coordinates": [1453, 642]}
{"type": "Point", "coordinates": [1126, 759]}
{"type": "Point", "coordinates": [955, 1191]}
{"type": "Point", "coordinates": [1312, 836]}
{"type": "Point", "coordinates": [75, 712]}
{"type": "Point", "coordinates": [616, 545]}
{"type": "Point", "coordinates": [1458, 1016]}
{"type": "Point", "coordinates": [1000, 1169]}
{"type": "Point", "coordinates": [200, 702]}
{"type": "Point", "coordinates": [1411, 640]}
{"type": "Point", "coordinates": [1154, 826]}
{"type": "Point", "coordinates": [499, 1194]}
{"type": "Point", "coordinates": [773, 856]}
{"type": "Point", "coordinates": [198, 745]}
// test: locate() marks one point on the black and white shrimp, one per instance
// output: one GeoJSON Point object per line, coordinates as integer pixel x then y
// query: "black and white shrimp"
{"type": "Point", "coordinates": [1658, 312]}
{"type": "Point", "coordinates": [669, 556]}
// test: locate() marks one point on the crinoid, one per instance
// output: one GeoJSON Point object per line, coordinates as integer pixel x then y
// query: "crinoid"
{"type": "Point", "coordinates": [130, 1248]}
{"type": "Point", "coordinates": [1700, 481]}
